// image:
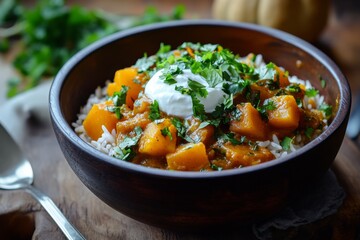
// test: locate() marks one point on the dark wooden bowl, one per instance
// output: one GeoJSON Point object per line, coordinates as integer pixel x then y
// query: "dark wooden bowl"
{"type": "Point", "coordinates": [195, 200]}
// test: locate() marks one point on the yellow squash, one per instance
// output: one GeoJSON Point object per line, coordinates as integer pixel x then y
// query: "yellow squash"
{"type": "Point", "coordinates": [303, 18]}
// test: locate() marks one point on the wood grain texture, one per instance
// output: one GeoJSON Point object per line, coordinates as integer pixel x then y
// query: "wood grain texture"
{"type": "Point", "coordinates": [21, 217]}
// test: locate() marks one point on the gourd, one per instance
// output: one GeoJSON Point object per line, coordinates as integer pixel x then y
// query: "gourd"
{"type": "Point", "coordinates": [126, 77]}
{"type": "Point", "coordinates": [303, 18]}
{"type": "Point", "coordinates": [243, 155]}
{"type": "Point", "coordinates": [154, 142]}
{"type": "Point", "coordinates": [286, 115]}
{"type": "Point", "coordinates": [188, 157]}
{"type": "Point", "coordinates": [99, 116]}
{"type": "Point", "coordinates": [249, 123]}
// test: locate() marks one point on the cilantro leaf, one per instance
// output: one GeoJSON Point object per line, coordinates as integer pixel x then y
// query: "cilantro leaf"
{"type": "Point", "coordinates": [230, 137]}
{"type": "Point", "coordinates": [154, 111]}
{"type": "Point", "coordinates": [327, 109]}
{"type": "Point", "coordinates": [181, 130]}
{"type": "Point", "coordinates": [322, 82]}
{"type": "Point", "coordinates": [309, 132]}
{"type": "Point", "coordinates": [166, 132]}
{"type": "Point", "coordinates": [124, 150]}
{"type": "Point", "coordinates": [268, 105]}
{"type": "Point", "coordinates": [266, 72]}
{"type": "Point", "coordinates": [119, 98]}
{"type": "Point", "coordinates": [311, 92]}
{"type": "Point", "coordinates": [286, 143]}
{"type": "Point", "coordinates": [212, 76]}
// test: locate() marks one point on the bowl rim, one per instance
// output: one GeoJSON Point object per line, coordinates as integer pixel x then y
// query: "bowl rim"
{"type": "Point", "coordinates": [68, 132]}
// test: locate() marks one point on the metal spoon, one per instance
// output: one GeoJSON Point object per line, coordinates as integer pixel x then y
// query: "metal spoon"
{"type": "Point", "coordinates": [16, 173]}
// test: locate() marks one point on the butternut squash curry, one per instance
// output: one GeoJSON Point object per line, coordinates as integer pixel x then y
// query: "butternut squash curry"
{"type": "Point", "coordinates": [200, 107]}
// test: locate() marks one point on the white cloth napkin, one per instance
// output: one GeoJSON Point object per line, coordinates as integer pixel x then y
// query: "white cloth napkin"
{"type": "Point", "coordinates": [33, 103]}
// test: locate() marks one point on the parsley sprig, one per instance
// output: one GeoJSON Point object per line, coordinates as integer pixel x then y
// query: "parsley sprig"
{"type": "Point", "coordinates": [125, 149]}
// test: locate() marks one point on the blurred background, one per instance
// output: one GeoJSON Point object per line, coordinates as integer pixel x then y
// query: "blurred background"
{"type": "Point", "coordinates": [28, 55]}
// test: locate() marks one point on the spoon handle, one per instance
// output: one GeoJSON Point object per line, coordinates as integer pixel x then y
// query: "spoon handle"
{"type": "Point", "coordinates": [69, 230]}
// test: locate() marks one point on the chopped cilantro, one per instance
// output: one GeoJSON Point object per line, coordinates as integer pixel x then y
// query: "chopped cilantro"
{"type": "Point", "coordinates": [309, 132]}
{"type": "Point", "coordinates": [268, 105]}
{"type": "Point", "coordinates": [154, 111]}
{"type": "Point", "coordinates": [322, 82]}
{"type": "Point", "coordinates": [197, 88]}
{"type": "Point", "coordinates": [215, 167]}
{"type": "Point", "coordinates": [145, 63]}
{"type": "Point", "coordinates": [212, 76]}
{"type": "Point", "coordinates": [327, 109]}
{"type": "Point", "coordinates": [266, 72]}
{"type": "Point", "coordinates": [166, 132]}
{"type": "Point", "coordinates": [293, 88]}
{"type": "Point", "coordinates": [230, 137]}
{"type": "Point", "coordinates": [311, 92]}
{"type": "Point", "coordinates": [163, 48]}
{"type": "Point", "coordinates": [181, 129]}
{"type": "Point", "coordinates": [286, 143]}
{"type": "Point", "coordinates": [119, 98]}
{"type": "Point", "coordinates": [124, 150]}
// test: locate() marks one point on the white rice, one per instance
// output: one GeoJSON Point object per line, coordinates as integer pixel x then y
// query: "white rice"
{"type": "Point", "coordinates": [107, 141]}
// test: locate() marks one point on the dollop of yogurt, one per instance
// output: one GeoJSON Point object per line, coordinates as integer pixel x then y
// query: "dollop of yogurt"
{"type": "Point", "coordinates": [174, 103]}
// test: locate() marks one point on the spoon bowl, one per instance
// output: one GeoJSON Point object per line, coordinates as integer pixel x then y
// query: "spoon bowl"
{"type": "Point", "coordinates": [16, 173]}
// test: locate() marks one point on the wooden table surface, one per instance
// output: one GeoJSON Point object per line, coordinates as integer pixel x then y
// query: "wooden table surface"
{"type": "Point", "coordinates": [21, 217]}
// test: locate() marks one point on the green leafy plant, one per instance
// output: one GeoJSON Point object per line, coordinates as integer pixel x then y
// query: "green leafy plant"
{"type": "Point", "coordinates": [51, 32]}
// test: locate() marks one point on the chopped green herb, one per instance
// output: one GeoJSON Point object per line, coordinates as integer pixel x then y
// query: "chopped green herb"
{"type": "Point", "coordinates": [124, 150]}
{"type": "Point", "coordinates": [164, 48]}
{"type": "Point", "coordinates": [181, 129]}
{"type": "Point", "coordinates": [309, 132]}
{"type": "Point", "coordinates": [286, 143]}
{"type": "Point", "coordinates": [216, 168]}
{"type": "Point", "coordinates": [312, 92]}
{"type": "Point", "coordinates": [230, 137]}
{"type": "Point", "coordinates": [166, 132]}
{"type": "Point", "coordinates": [119, 98]}
{"type": "Point", "coordinates": [154, 111]}
{"type": "Point", "coordinates": [268, 105]}
{"type": "Point", "coordinates": [294, 88]}
{"type": "Point", "coordinates": [322, 82]}
{"type": "Point", "coordinates": [50, 32]}
{"type": "Point", "coordinates": [327, 109]}
{"type": "Point", "coordinates": [197, 88]}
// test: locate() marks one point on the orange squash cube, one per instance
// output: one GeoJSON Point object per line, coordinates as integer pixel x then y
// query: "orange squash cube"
{"type": "Point", "coordinates": [250, 123]}
{"type": "Point", "coordinates": [243, 155]}
{"type": "Point", "coordinates": [97, 117]}
{"type": "Point", "coordinates": [287, 113]}
{"type": "Point", "coordinates": [126, 77]}
{"type": "Point", "coordinates": [188, 157]}
{"type": "Point", "coordinates": [154, 142]}
{"type": "Point", "coordinates": [282, 77]}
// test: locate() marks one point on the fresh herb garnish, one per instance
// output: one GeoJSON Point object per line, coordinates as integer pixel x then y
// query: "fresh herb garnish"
{"type": "Point", "coordinates": [181, 129]}
{"type": "Point", "coordinates": [125, 149]}
{"type": "Point", "coordinates": [311, 92]}
{"type": "Point", "coordinates": [294, 88]}
{"type": "Point", "coordinates": [268, 105]}
{"type": "Point", "coordinates": [166, 132]}
{"type": "Point", "coordinates": [119, 98]}
{"type": "Point", "coordinates": [230, 137]}
{"type": "Point", "coordinates": [154, 111]}
{"type": "Point", "coordinates": [309, 132]}
{"type": "Point", "coordinates": [322, 82]}
{"type": "Point", "coordinates": [286, 143]}
{"type": "Point", "coordinates": [327, 109]}
{"type": "Point", "coordinates": [215, 167]}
